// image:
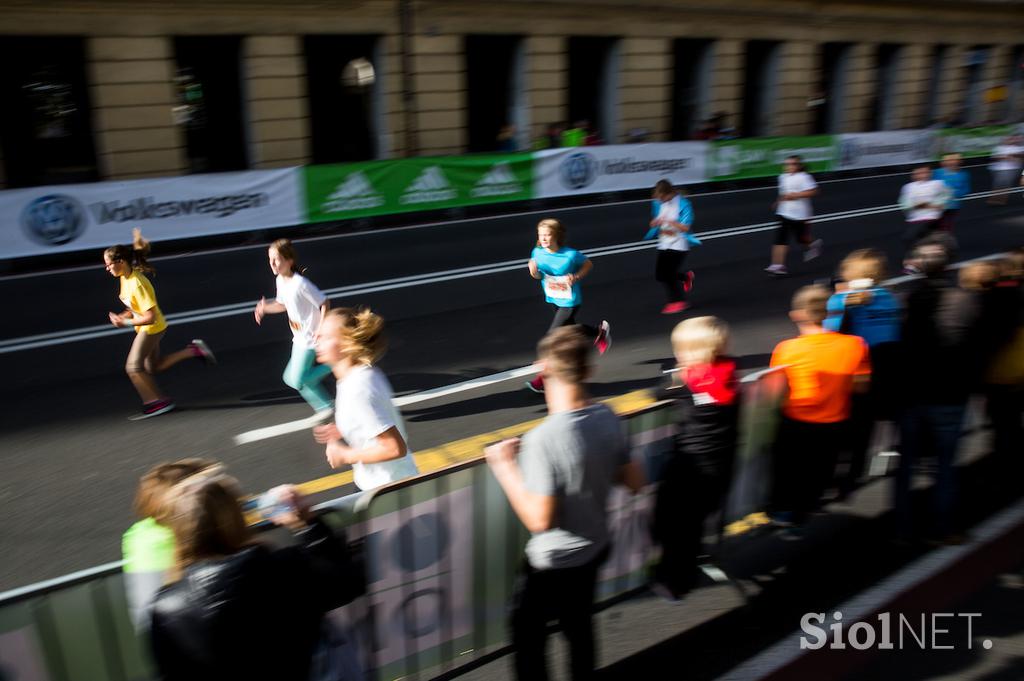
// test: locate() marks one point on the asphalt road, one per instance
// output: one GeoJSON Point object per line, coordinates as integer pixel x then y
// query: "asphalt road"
{"type": "Point", "coordinates": [69, 458]}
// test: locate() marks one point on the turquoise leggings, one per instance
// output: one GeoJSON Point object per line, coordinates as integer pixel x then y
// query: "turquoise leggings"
{"type": "Point", "coordinates": [305, 375]}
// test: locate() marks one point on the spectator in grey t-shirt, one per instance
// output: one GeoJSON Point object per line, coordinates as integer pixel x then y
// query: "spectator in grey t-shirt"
{"type": "Point", "coordinates": [559, 489]}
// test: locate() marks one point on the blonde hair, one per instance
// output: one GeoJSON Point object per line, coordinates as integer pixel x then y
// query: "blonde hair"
{"type": "Point", "coordinates": [566, 354]}
{"type": "Point", "coordinates": [156, 483]}
{"type": "Point", "coordinates": [864, 263]}
{"type": "Point", "coordinates": [558, 230]}
{"type": "Point", "coordinates": [205, 515]}
{"type": "Point", "coordinates": [700, 340]}
{"type": "Point", "coordinates": [286, 249]}
{"type": "Point", "coordinates": [812, 301]}
{"type": "Point", "coordinates": [362, 334]}
{"type": "Point", "coordinates": [979, 276]}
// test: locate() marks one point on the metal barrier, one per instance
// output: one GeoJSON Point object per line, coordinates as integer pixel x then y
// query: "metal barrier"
{"type": "Point", "coordinates": [442, 553]}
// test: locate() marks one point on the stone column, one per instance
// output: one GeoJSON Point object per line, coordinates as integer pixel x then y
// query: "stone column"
{"type": "Point", "coordinates": [278, 110]}
{"type": "Point", "coordinates": [645, 89]}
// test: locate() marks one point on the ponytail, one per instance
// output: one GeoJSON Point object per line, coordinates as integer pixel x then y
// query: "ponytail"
{"type": "Point", "coordinates": [134, 254]}
{"type": "Point", "coordinates": [363, 333]}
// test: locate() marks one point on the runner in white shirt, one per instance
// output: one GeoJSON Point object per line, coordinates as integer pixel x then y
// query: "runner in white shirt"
{"type": "Point", "coordinates": [306, 306]}
{"type": "Point", "coordinates": [793, 208]}
{"type": "Point", "coordinates": [924, 199]}
{"type": "Point", "coordinates": [1007, 159]}
{"type": "Point", "coordinates": [367, 432]}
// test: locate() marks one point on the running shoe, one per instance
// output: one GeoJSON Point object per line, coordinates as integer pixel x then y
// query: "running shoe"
{"type": "Point", "coordinates": [202, 351]}
{"type": "Point", "coordinates": [604, 337]}
{"type": "Point", "coordinates": [814, 250]}
{"type": "Point", "coordinates": [776, 270]}
{"type": "Point", "coordinates": [688, 281]}
{"type": "Point", "coordinates": [154, 408]}
{"type": "Point", "coordinates": [674, 308]}
{"type": "Point", "coordinates": [536, 385]}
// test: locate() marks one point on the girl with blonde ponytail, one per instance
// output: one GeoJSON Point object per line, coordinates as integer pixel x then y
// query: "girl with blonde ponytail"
{"type": "Point", "coordinates": [368, 432]}
{"type": "Point", "coordinates": [141, 312]}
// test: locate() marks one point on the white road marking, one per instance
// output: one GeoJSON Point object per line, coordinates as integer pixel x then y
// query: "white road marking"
{"type": "Point", "coordinates": [438, 223]}
{"type": "Point", "coordinates": [491, 379]}
{"type": "Point", "coordinates": [233, 309]}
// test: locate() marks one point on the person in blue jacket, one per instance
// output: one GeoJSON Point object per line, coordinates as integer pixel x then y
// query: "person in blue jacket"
{"type": "Point", "coordinates": [863, 307]}
{"type": "Point", "coordinates": [959, 183]}
{"type": "Point", "coordinates": [560, 269]}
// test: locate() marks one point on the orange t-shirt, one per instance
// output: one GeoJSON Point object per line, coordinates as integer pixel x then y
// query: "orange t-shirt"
{"type": "Point", "coordinates": [820, 372]}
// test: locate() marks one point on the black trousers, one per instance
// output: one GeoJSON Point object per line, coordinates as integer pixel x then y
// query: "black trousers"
{"type": "Point", "coordinates": [803, 464]}
{"type": "Point", "coordinates": [566, 316]}
{"type": "Point", "coordinates": [667, 271]}
{"type": "Point", "coordinates": [565, 595]}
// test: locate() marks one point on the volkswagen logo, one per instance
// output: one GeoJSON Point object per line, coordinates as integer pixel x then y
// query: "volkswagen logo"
{"type": "Point", "coordinates": [53, 220]}
{"type": "Point", "coordinates": [849, 152]}
{"type": "Point", "coordinates": [578, 170]}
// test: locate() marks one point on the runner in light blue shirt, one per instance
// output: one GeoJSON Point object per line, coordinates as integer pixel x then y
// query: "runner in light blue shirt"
{"type": "Point", "coordinates": [959, 183]}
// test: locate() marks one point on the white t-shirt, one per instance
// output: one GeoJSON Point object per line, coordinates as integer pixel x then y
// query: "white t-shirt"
{"type": "Point", "coordinates": [363, 410]}
{"type": "Point", "coordinates": [669, 211]}
{"type": "Point", "coordinates": [1008, 157]}
{"type": "Point", "coordinates": [302, 299]}
{"type": "Point", "coordinates": [934, 192]}
{"type": "Point", "coordinates": [791, 183]}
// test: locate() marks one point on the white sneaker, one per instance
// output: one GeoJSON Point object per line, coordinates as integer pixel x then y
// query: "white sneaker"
{"type": "Point", "coordinates": [814, 250]}
{"type": "Point", "coordinates": [777, 270]}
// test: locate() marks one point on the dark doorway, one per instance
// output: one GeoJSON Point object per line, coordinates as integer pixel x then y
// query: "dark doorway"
{"type": "Point", "coordinates": [760, 68]}
{"type": "Point", "coordinates": [342, 83]}
{"type": "Point", "coordinates": [975, 59]}
{"type": "Point", "coordinates": [593, 80]}
{"type": "Point", "coordinates": [691, 85]}
{"type": "Point", "coordinates": [883, 109]}
{"type": "Point", "coordinates": [492, 62]}
{"type": "Point", "coordinates": [45, 119]}
{"type": "Point", "coordinates": [208, 87]}
{"type": "Point", "coordinates": [827, 103]}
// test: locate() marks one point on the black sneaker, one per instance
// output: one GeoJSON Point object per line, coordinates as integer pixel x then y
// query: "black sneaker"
{"type": "Point", "coordinates": [154, 408]}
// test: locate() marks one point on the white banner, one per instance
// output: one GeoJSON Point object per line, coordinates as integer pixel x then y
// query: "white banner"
{"type": "Point", "coordinates": [892, 148]}
{"type": "Point", "coordinates": [589, 170]}
{"type": "Point", "coordinates": [76, 217]}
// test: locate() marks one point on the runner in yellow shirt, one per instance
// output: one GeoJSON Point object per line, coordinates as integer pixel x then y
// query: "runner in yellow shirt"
{"type": "Point", "coordinates": [128, 263]}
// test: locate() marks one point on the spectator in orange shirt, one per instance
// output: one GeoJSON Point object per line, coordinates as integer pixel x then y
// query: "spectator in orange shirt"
{"type": "Point", "coordinates": [822, 369]}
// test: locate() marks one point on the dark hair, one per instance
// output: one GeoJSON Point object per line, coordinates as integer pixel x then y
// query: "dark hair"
{"type": "Point", "coordinates": [134, 254]}
{"type": "Point", "coordinates": [798, 159]}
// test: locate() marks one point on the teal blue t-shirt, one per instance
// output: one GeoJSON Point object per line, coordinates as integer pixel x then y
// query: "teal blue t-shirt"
{"type": "Point", "coordinates": [555, 266]}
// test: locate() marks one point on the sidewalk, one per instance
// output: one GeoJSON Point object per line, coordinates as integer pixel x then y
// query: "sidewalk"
{"type": "Point", "coordinates": [845, 552]}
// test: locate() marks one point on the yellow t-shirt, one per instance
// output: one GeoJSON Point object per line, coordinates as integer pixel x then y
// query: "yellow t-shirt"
{"type": "Point", "coordinates": [820, 368]}
{"type": "Point", "coordinates": [138, 295]}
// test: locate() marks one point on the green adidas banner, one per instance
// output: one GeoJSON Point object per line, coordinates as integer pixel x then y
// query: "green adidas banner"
{"type": "Point", "coordinates": [973, 142]}
{"type": "Point", "coordinates": [762, 157]}
{"type": "Point", "coordinates": [352, 190]}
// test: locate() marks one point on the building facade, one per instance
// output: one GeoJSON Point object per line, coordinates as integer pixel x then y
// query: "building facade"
{"type": "Point", "coordinates": [111, 89]}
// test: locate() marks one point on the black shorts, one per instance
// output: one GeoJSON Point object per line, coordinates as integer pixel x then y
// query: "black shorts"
{"type": "Point", "coordinates": [800, 230]}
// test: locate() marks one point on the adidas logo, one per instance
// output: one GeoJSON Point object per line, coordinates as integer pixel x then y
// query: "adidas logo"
{"type": "Point", "coordinates": [355, 193]}
{"type": "Point", "coordinates": [431, 186]}
{"type": "Point", "coordinates": [499, 181]}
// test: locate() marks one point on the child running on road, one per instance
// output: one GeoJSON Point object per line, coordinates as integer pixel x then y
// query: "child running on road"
{"type": "Point", "coordinates": [306, 306]}
{"type": "Point", "coordinates": [560, 270]}
{"type": "Point", "coordinates": [128, 263]}
{"type": "Point", "coordinates": [793, 208]}
{"type": "Point", "coordinates": [671, 225]}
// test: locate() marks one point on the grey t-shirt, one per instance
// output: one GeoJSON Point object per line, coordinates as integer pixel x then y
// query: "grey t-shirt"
{"type": "Point", "coordinates": [573, 456]}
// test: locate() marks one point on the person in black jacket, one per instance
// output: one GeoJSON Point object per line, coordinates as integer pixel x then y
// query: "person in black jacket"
{"type": "Point", "coordinates": [940, 366]}
{"type": "Point", "coordinates": [239, 608]}
{"type": "Point", "coordinates": [696, 478]}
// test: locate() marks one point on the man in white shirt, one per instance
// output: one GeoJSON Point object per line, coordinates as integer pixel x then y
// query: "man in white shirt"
{"type": "Point", "coordinates": [793, 208]}
{"type": "Point", "coordinates": [923, 199]}
{"type": "Point", "coordinates": [1007, 159]}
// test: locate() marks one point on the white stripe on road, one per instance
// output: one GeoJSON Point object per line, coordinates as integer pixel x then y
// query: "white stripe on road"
{"type": "Point", "coordinates": [439, 223]}
{"type": "Point", "coordinates": [222, 311]}
{"type": "Point", "coordinates": [484, 381]}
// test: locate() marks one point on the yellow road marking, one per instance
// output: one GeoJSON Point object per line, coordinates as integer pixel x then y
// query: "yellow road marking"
{"type": "Point", "coordinates": [471, 447]}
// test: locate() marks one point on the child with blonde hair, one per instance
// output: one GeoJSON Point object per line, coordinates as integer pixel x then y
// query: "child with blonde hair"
{"type": "Point", "coordinates": [696, 478]}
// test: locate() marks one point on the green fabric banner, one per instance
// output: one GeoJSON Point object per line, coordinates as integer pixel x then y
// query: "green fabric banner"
{"type": "Point", "coordinates": [762, 157]}
{"type": "Point", "coordinates": [973, 142]}
{"type": "Point", "coordinates": [351, 190]}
